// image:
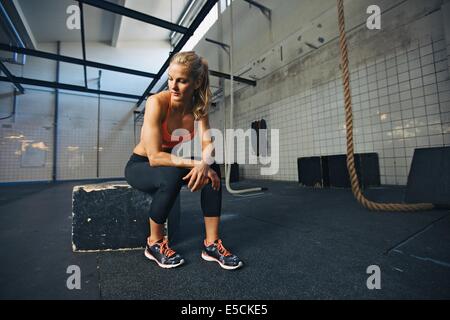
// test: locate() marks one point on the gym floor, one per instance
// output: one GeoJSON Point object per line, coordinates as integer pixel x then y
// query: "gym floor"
{"type": "Point", "coordinates": [296, 242]}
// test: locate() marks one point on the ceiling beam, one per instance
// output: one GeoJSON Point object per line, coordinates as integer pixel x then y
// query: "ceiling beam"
{"type": "Point", "coordinates": [10, 77]}
{"type": "Point", "coordinates": [112, 7]}
{"type": "Point", "coordinates": [81, 62]}
{"type": "Point", "coordinates": [64, 86]}
{"type": "Point", "coordinates": [83, 43]}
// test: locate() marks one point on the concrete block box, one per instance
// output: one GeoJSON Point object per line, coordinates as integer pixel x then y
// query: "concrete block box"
{"type": "Point", "coordinates": [113, 216]}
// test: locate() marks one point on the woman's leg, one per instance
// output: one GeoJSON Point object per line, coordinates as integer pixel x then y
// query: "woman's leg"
{"type": "Point", "coordinates": [213, 249]}
{"type": "Point", "coordinates": [212, 228]}
{"type": "Point", "coordinates": [164, 183]}
{"type": "Point", "coordinates": [211, 203]}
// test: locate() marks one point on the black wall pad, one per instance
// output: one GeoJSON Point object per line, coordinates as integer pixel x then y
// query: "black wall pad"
{"type": "Point", "coordinates": [309, 171]}
{"type": "Point", "coordinates": [367, 169]}
{"type": "Point", "coordinates": [325, 172]}
{"type": "Point", "coordinates": [429, 176]}
{"type": "Point", "coordinates": [337, 171]}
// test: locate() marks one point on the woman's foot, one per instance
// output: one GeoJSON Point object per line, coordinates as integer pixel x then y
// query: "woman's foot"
{"type": "Point", "coordinates": [216, 252]}
{"type": "Point", "coordinates": [160, 252]}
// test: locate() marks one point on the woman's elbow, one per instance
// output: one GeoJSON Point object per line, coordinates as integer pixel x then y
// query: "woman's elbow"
{"type": "Point", "coordinates": [152, 160]}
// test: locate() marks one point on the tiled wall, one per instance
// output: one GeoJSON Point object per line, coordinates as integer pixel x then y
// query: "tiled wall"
{"type": "Point", "coordinates": [399, 84]}
{"type": "Point", "coordinates": [401, 101]}
{"type": "Point", "coordinates": [27, 142]}
{"type": "Point", "coordinates": [27, 139]}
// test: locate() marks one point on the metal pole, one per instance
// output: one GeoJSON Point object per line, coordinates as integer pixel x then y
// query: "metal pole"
{"type": "Point", "coordinates": [228, 167]}
{"type": "Point", "coordinates": [83, 43]}
{"type": "Point", "coordinates": [98, 124]}
{"type": "Point", "coordinates": [55, 120]}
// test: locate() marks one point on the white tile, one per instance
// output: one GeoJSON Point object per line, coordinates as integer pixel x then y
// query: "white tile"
{"type": "Point", "coordinates": [392, 81]}
{"type": "Point", "coordinates": [428, 59]}
{"type": "Point", "coordinates": [435, 129]}
{"type": "Point", "coordinates": [381, 75]}
{"type": "Point", "coordinates": [428, 69]}
{"type": "Point", "coordinates": [391, 63]}
{"type": "Point", "coordinates": [421, 131]}
{"type": "Point", "coordinates": [429, 79]}
{"type": "Point", "coordinates": [436, 140]}
{"type": "Point", "coordinates": [444, 85]}
{"type": "Point", "coordinates": [440, 55]}
{"type": "Point", "coordinates": [441, 65]}
{"type": "Point", "coordinates": [439, 45]}
{"type": "Point", "coordinates": [394, 98]}
{"type": "Point", "coordinates": [407, 114]}
{"type": "Point", "coordinates": [446, 139]}
{"type": "Point", "coordinates": [423, 141]}
{"type": "Point", "coordinates": [418, 102]}
{"type": "Point", "coordinates": [416, 93]}
{"type": "Point", "coordinates": [444, 96]}
{"type": "Point", "coordinates": [442, 76]}
{"type": "Point", "coordinates": [415, 73]}
{"type": "Point", "coordinates": [430, 89]}
{"type": "Point", "coordinates": [403, 67]}
{"type": "Point", "coordinates": [414, 54]}
{"type": "Point", "coordinates": [391, 72]}
{"type": "Point", "coordinates": [414, 64]}
{"type": "Point", "coordinates": [432, 109]}
{"type": "Point", "coordinates": [426, 50]}
{"type": "Point", "coordinates": [406, 95]}
{"type": "Point", "coordinates": [431, 99]}
{"type": "Point", "coordinates": [404, 86]}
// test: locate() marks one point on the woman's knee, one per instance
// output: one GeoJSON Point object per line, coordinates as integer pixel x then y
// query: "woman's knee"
{"type": "Point", "coordinates": [172, 179]}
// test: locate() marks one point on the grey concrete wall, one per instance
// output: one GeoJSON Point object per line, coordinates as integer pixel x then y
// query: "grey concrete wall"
{"type": "Point", "coordinates": [399, 80]}
{"type": "Point", "coordinates": [399, 75]}
{"type": "Point", "coordinates": [26, 139]}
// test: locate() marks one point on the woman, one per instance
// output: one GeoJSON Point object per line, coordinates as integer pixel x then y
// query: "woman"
{"type": "Point", "coordinates": [153, 169]}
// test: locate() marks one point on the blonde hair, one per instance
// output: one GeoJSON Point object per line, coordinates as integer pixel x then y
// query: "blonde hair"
{"type": "Point", "coordinates": [198, 69]}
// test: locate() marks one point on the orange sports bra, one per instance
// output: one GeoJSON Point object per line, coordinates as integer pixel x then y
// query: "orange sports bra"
{"type": "Point", "coordinates": [167, 142]}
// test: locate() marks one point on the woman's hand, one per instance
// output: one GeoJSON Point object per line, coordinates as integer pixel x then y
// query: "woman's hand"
{"type": "Point", "coordinates": [212, 175]}
{"type": "Point", "coordinates": [198, 176]}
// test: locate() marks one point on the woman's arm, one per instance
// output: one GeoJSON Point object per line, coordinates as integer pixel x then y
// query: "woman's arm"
{"type": "Point", "coordinates": [202, 173]}
{"type": "Point", "coordinates": [208, 151]}
{"type": "Point", "coordinates": [152, 140]}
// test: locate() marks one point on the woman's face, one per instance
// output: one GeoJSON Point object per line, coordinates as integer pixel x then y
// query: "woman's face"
{"type": "Point", "coordinates": [181, 84]}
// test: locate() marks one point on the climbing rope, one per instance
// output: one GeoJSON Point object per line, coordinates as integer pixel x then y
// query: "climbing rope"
{"type": "Point", "coordinates": [349, 128]}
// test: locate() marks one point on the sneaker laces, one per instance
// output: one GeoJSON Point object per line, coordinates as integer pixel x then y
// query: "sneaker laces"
{"type": "Point", "coordinates": [165, 250]}
{"type": "Point", "coordinates": [222, 249]}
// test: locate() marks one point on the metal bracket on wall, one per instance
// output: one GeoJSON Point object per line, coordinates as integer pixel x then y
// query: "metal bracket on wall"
{"type": "Point", "coordinates": [265, 11]}
{"type": "Point", "coordinates": [221, 44]}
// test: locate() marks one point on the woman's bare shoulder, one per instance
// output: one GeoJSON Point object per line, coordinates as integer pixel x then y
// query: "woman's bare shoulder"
{"type": "Point", "coordinates": [159, 103]}
{"type": "Point", "coordinates": [162, 96]}
{"type": "Point", "coordinates": [160, 99]}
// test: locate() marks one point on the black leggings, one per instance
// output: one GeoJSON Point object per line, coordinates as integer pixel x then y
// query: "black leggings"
{"type": "Point", "coordinates": [164, 184]}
